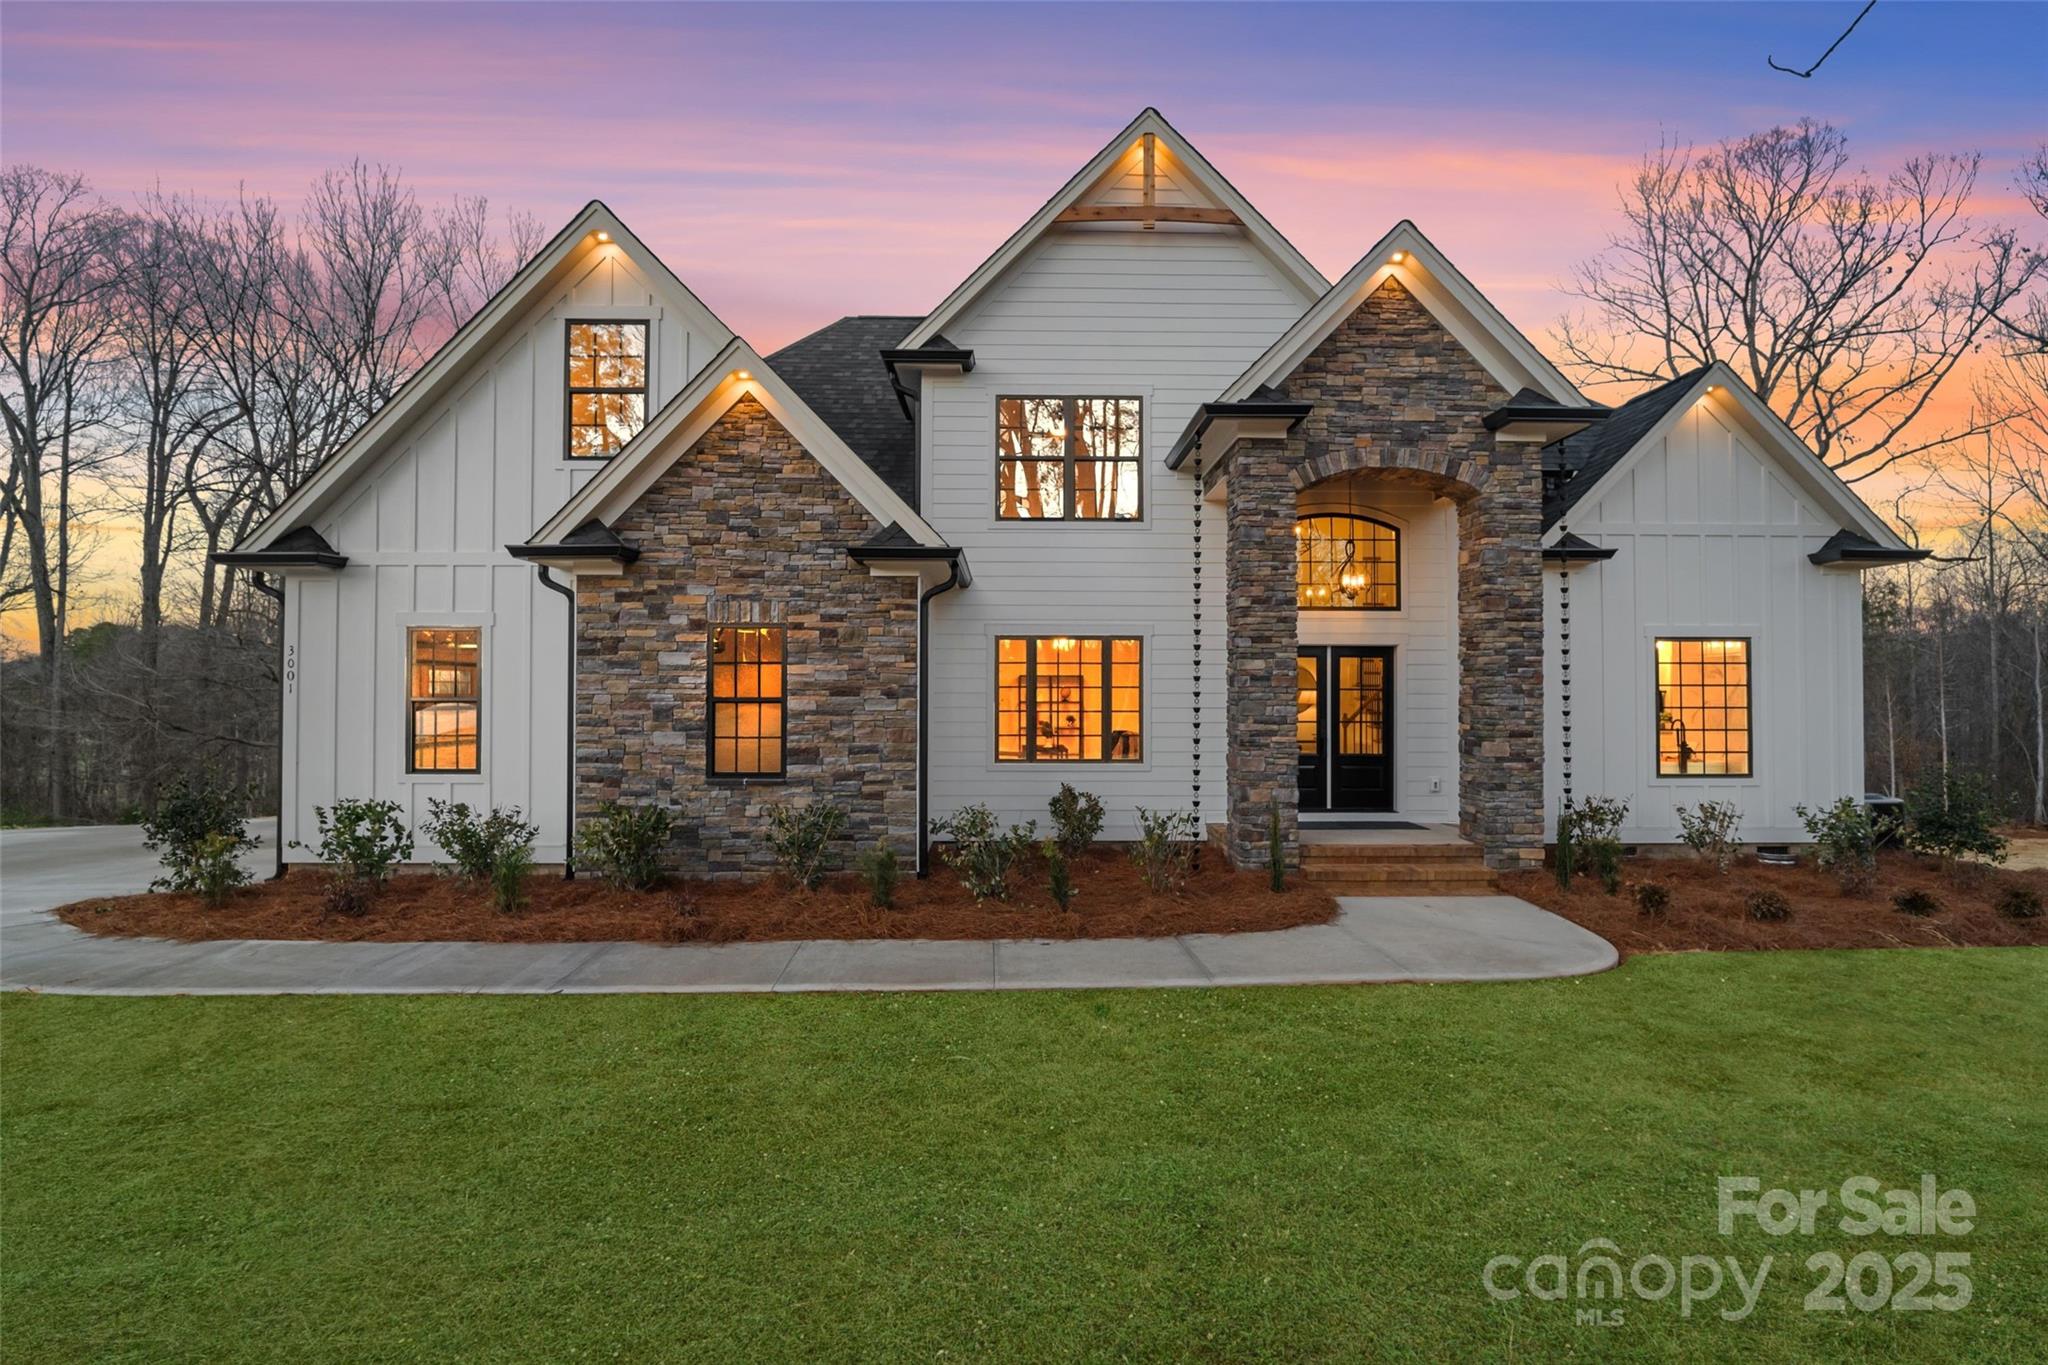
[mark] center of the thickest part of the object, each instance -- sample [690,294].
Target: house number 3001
[291,669]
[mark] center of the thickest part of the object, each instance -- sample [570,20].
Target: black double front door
[1344,727]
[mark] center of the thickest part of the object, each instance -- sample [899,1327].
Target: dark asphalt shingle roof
[838,371]
[1589,454]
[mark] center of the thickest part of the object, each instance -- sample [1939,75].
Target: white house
[1145,505]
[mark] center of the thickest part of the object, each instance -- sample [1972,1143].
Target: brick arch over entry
[1394,394]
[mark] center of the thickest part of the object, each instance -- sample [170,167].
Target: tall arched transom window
[1347,563]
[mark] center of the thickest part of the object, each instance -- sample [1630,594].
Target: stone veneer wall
[1396,394]
[748,527]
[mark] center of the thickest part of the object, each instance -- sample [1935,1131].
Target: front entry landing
[1343,725]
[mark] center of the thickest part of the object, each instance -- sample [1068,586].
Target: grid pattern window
[1069,459]
[444,699]
[1347,563]
[747,701]
[1703,718]
[607,387]
[1062,699]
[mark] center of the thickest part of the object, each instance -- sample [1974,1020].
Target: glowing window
[444,699]
[747,701]
[607,394]
[1062,699]
[1347,563]
[1703,724]
[1075,459]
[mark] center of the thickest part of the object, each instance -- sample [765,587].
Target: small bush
[2019,902]
[1652,898]
[1844,842]
[1059,880]
[509,870]
[1710,830]
[188,813]
[475,844]
[1076,820]
[350,896]
[1596,838]
[1951,817]
[363,841]
[624,844]
[981,851]
[801,838]
[213,870]
[1768,907]
[1166,848]
[1564,861]
[1916,902]
[1276,850]
[878,869]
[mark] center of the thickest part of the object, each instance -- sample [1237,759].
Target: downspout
[924,713]
[569,767]
[275,592]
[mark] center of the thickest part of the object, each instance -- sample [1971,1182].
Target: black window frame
[1387,526]
[571,390]
[712,701]
[1030,686]
[1071,413]
[1657,772]
[413,703]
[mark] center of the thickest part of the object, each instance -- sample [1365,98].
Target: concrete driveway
[1382,938]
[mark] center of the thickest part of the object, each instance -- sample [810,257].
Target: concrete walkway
[1455,938]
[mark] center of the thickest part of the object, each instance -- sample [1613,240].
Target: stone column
[1260,569]
[1500,661]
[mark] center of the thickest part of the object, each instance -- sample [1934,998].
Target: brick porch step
[1478,877]
[1395,853]
[1444,868]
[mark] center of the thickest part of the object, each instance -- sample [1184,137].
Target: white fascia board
[1291,262]
[1469,316]
[698,408]
[447,367]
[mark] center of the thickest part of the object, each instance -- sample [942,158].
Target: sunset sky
[793,163]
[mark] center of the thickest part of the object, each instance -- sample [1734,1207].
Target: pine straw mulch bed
[1707,909]
[1111,901]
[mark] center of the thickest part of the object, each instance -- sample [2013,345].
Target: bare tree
[1845,301]
[469,262]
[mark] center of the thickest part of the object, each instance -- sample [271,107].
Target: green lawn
[1288,1173]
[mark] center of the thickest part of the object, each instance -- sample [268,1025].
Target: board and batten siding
[424,531]
[1170,317]
[1712,540]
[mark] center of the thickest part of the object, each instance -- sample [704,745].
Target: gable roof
[1204,176]
[736,372]
[1407,256]
[1613,451]
[838,370]
[594,229]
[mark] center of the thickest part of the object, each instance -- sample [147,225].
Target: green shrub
[1596,838]
[1914,901]
[624,844]
[350,896]
[475,844]
[509,869]
[1652,898]
[1276,849]
[1076,820]
[213,870]
[1564,861]
[362,840]
[1166,847]
[801,838]
[188,813]
[1952,818]
[1768,907]
[878,869]
[1710,830]
[1059,880]
[1844,842]
[2019,902]
[981,851]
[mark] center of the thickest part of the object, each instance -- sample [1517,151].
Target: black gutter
[276,594]
[1289,410]
[929,355]
[1572,550]
[1868,553]
[278,559]
[924,713]
[1545,412]
[569,549]
[569,802]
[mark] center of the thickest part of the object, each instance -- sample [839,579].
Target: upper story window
[1068,459]
[747,701]
[1063,699]
[607,386]
[1347,562]
[444,699]
[1703,708]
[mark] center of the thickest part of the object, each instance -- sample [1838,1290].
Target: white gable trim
[1204,176]
[436,379]
[1733,398]
[736,372]
[1511,358]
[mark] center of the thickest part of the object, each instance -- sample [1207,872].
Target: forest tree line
[175,367]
